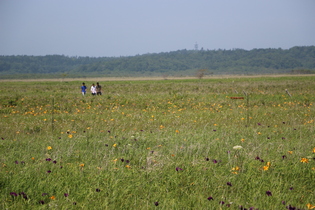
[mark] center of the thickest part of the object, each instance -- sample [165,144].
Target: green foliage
[176,63]
[158,144]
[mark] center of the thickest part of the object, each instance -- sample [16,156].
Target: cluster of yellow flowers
[235,170]
[267,166]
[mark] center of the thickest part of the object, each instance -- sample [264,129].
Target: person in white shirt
[93,89]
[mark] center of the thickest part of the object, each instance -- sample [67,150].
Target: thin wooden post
[247,107]
[52,115]
[286,90]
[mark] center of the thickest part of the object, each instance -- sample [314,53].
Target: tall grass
[158,145]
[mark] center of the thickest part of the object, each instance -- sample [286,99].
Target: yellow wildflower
[310,206]
[70,136]
[52,198]
[82,165]
[314,150]
[33,158]
[304,160]
[49,148]
[290,152]
[265,168]
[114,145]
[128,166]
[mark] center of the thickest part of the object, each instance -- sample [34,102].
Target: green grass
[167,143]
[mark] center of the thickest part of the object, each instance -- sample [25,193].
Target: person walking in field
[98,89]
[93,89]
[83,89]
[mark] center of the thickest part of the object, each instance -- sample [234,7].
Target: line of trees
[181,62]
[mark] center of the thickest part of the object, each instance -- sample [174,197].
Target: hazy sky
[100,28]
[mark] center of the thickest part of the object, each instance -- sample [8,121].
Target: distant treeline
[175,63]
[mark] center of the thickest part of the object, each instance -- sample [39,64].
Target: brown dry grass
[100,79]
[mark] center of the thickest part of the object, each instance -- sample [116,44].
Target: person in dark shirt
[98,89]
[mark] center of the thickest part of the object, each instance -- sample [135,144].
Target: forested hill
[177,63]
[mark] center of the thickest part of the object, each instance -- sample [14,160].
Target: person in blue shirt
[83,89]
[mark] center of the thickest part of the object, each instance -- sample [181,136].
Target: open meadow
[159,144]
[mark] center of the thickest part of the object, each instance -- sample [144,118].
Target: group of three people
[95,89]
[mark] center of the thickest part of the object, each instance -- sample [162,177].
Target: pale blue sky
[100,28]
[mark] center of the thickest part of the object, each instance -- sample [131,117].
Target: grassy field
[160,144]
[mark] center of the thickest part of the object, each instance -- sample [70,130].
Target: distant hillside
[176,63]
